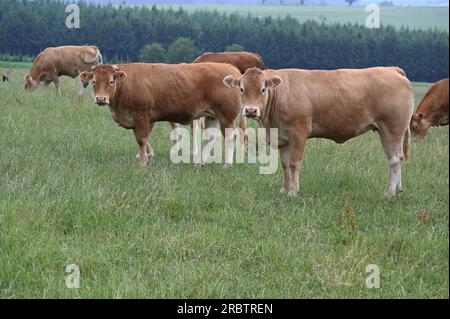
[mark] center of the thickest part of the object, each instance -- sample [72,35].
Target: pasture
[72,193]
[411,17]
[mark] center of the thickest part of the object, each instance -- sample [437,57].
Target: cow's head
[104,81]
[253,85]
[419,126]
[30,83]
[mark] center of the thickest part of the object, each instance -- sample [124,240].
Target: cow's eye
[93,82]
[242,90]
[111,82]
[263,90]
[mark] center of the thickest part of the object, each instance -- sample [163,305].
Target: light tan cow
[432,110]
[336,105]
[52,63]
[140,94]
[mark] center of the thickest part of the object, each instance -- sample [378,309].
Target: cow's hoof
[399,189]
[199,164]
[292,194]
[283,190]
[142,163]
[227,165]
[389,194]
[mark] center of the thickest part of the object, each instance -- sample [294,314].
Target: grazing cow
[140,94]
[336,105]
[242,61]
[432,110]
[51,63]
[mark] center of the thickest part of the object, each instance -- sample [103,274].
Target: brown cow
[241,60]
[51,63]
[336,105]
[432,110]
[140,94]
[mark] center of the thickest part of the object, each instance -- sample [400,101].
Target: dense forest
[121,32]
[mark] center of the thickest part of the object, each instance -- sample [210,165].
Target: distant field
[412,17]
[71,193]
[16,65]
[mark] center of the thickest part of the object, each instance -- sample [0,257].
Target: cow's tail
[100,57]
[406,139]
[401,71]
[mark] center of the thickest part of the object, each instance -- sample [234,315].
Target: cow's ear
[119,75]
[86,76]
[231,81]
[417,117]
[274,82]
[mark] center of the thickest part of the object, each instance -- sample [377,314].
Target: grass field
[15,65]
[71,193]
[412,17]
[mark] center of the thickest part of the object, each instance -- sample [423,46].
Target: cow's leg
[227,128]
[150,151]
[284,156]
[57,85]
[210,123]
[297,142]
[244,134]
[393,148]
[141,132]
[196,130]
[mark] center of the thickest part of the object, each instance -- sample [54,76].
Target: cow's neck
[268,110]
[118,97]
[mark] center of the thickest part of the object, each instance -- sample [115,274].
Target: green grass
[71,192]
[15,65]
[411,17]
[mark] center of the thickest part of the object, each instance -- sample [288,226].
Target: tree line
[125,33]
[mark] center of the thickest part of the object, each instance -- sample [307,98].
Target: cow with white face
[336,105]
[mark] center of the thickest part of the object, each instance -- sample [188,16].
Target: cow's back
[341,102]
[436,99]
[178,92]
[241,60]
[64,60]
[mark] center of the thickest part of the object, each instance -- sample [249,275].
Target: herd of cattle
[301,104]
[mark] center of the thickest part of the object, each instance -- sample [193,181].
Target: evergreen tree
[181,50]
[152,53]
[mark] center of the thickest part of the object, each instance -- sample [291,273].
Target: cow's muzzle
[251,111]
[101,100]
